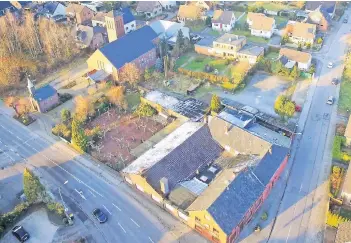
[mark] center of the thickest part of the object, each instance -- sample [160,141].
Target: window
[197,220]
[215,231]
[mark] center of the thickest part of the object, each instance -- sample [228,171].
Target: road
[302,211]
[58,167]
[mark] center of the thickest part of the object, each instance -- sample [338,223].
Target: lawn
[242,20]
[133,99]
[199,63]
[181,60]
[281,21]
[238,14]
[214,33]
[249,37]
[345,96]
[272,55]
[272,6]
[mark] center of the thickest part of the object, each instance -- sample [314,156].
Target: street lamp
[70,222]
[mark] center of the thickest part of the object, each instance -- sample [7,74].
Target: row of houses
[212,172]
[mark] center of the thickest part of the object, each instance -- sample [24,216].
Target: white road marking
[107,209]
[80,193]
[290,225]
[122,227]
[19,138]
[116,206]
[92,193]
[300,188]
[10,131]
[151,240]
[135,222]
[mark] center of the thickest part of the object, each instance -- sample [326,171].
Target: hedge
[9,218]
[229,85]
[337,153]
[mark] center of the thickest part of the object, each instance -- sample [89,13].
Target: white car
[330,65]
[330,100]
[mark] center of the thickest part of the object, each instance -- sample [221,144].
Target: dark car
[335,81]
[345,21]
[99,215]
[20,233]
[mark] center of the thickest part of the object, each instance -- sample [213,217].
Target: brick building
[138,47]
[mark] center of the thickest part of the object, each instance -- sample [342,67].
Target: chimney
[164,186]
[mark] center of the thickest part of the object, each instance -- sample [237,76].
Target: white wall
[304,66]
[265,34]
[60,10]
[98,23]
[131,26]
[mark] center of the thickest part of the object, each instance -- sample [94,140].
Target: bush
[56,207]
[340,129]
[65,115]
[61,130]
[216,105]
[145,109]
[9,218]
[284,106]
[319,40]
[32,187]
[229,86]
[337,153]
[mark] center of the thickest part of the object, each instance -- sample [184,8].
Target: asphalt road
[302,212]
[128,221]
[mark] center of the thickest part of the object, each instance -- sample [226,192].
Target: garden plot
[120,134]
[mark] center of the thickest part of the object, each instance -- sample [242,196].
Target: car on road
[330,65]
[20,233]
[195,38]
[99,215]
[345,21]
[335,81]
[330,100]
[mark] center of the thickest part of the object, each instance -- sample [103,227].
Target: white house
[290,57]
[301,32]
[223,20]
[150,8]
[261,25]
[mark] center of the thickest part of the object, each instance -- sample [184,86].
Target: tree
[319,40]
[111,5]
[84,107]
[277,67]
[61,130]
[65,115]
[180,38]
[79,139]
[295,72]
[159,65]
[130,73]
[308,45]
[11,102]
[147,75]
[145,109]
[116,96]
[284,106]
[215,103]
[208,21]
[285,39]
[299,48]
[312,69]
[32,187]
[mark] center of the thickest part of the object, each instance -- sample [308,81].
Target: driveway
[39,227]
[260,93]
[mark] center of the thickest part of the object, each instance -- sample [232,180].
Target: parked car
[99,215]
[330,65]
[335,81]
[195,38]
[20,233]
[345,21]
[330,100]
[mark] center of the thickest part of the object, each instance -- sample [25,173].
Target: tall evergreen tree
[79,139]
[31,186]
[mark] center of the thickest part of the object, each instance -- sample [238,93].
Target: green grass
[198,65]
[277,6]
[345,96]
[181,60]
[249,37]
[345,213]
[133,99]
[238,14]
[281,21]
[242,20]
[214,33]
[272,55]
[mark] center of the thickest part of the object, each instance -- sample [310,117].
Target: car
[345,21]
[196,38]
[335,81]
[330,100]
[99,215]
[330,65]
[20,233]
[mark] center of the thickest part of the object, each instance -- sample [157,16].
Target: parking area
[39,227]
[261,92]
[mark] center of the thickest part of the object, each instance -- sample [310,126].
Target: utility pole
[70,222]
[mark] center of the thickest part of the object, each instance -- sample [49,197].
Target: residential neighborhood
[175,121]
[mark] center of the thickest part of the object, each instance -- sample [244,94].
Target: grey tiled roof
[231,206]
[181,164]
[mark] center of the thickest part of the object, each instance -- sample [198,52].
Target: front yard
[250,37]
[281,21]
[345,96]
